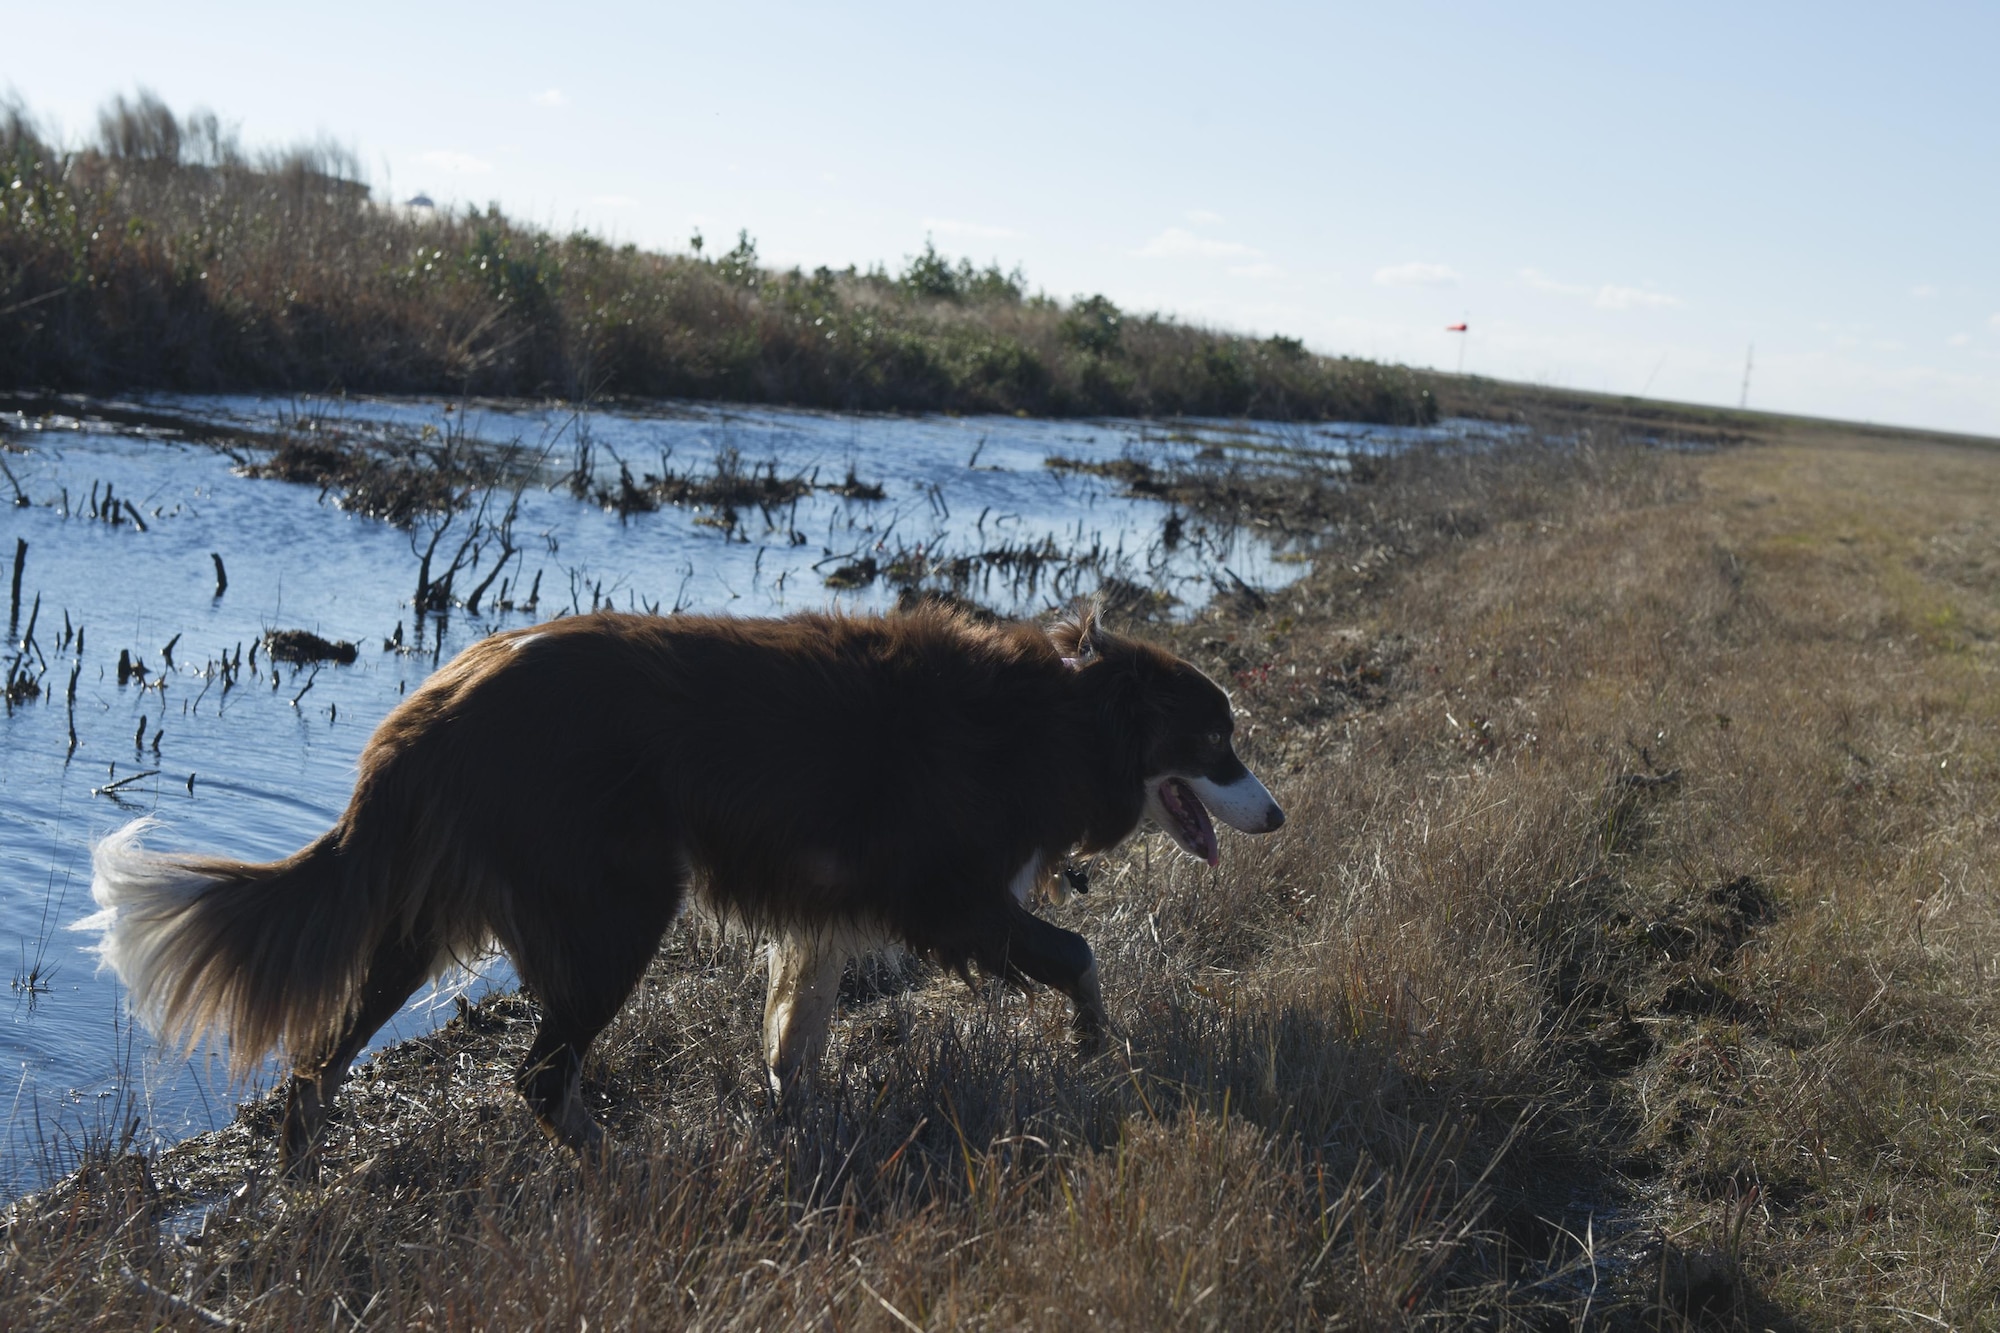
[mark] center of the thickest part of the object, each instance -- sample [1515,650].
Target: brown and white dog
[558,791]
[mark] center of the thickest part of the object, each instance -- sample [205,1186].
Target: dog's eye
[1216,739]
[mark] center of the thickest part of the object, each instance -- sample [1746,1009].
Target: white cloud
[1201,217]
[1923,291]
[1416,274]
[1994,321]
[1180,243]
[614,201]
[551,97]
[1542,282]
[978,231]
[461,164]
[1958,340]
[1254,270]
[1605,297]
[1630,298]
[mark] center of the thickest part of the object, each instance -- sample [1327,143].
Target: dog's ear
[1080,635]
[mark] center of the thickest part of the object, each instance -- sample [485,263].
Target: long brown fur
[556,791]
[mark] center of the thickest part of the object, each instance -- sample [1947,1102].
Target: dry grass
[1622,965]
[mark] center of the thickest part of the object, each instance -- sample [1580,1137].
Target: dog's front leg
[804,989]
[1062,959]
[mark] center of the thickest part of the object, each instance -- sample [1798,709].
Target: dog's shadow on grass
[934,1102]
[1513,1164]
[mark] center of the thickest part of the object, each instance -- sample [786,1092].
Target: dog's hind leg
[394,974]
[1059,958]
[551,1082]
[805,970]
[582,962]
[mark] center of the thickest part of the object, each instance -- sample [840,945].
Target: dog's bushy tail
[268,954]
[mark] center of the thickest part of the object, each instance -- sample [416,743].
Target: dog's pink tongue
[1202,829]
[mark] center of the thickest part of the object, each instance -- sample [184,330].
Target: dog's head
[1174,730]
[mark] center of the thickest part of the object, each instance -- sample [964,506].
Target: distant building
[418,207]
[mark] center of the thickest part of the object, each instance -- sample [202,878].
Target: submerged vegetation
[162,255]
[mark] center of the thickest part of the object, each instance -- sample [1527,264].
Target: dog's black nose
[1274,819]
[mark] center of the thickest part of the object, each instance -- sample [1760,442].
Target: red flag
[1454,328]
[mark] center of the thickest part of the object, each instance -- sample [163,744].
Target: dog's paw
[1090,1030]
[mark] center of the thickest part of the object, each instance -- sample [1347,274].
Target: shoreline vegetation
[163,255]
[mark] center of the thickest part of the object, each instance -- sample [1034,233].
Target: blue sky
[1620,198]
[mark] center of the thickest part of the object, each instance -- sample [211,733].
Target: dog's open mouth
[1180,812]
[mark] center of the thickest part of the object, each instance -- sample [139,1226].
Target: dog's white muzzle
[1244,804]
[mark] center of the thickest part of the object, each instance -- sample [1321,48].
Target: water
[258,769]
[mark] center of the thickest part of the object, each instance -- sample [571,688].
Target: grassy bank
[164,256]
[1623,965]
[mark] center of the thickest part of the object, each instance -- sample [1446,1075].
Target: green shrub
[1093,325]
